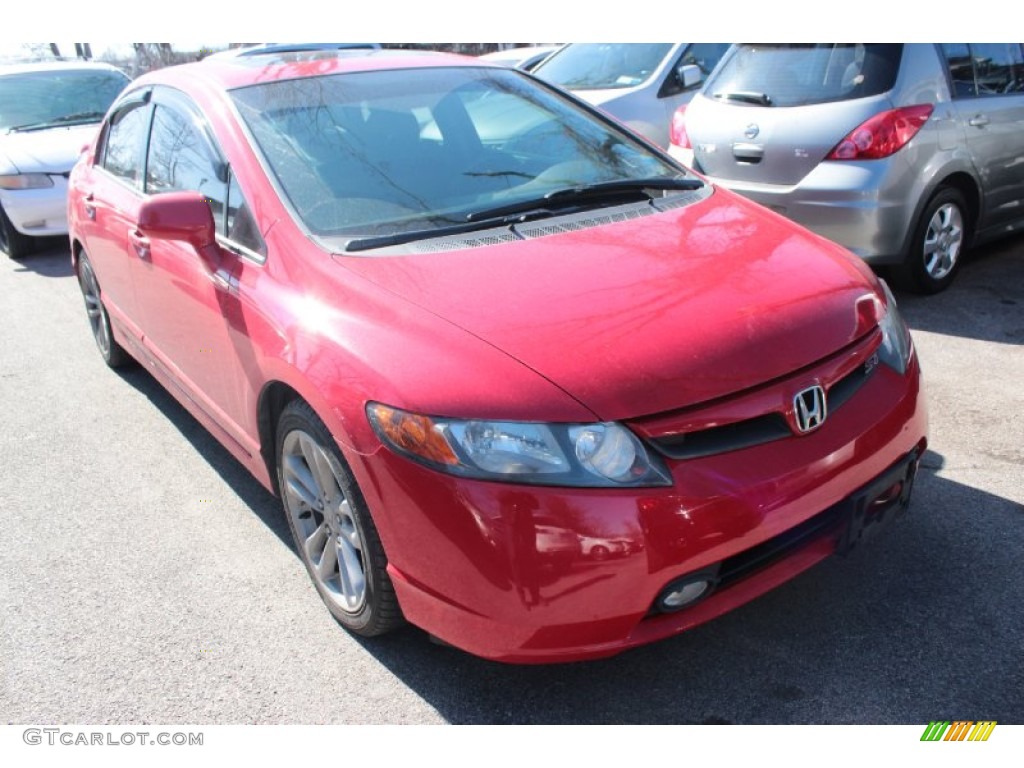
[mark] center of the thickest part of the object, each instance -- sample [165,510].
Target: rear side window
[794,75]
[984,69]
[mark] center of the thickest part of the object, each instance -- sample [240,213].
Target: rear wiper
[573,195]
[749,97]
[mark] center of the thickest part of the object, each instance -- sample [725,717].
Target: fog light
[684,593]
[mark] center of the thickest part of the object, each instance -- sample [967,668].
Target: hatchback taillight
[882,135]
[677,131]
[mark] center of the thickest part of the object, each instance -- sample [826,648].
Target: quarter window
[241,225]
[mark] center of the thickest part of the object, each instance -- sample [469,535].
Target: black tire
[339,522]
[112,352]
[938,245]
[13,242]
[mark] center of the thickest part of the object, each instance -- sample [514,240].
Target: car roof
[240,71]
[55,66]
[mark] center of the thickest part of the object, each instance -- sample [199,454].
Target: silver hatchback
[904,153]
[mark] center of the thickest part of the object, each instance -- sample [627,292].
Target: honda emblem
[809,408]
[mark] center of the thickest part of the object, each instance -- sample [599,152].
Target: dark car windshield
[372,154]
[599,66]
[58,97]
[795,75]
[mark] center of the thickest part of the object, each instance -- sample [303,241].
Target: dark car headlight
[604,455]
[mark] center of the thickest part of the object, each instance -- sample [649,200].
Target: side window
[997,68]
[961,70]
[985,69]
[180,160]
[241,225]
[704,55]
[125,139]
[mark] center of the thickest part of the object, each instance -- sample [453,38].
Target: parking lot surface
[145,577]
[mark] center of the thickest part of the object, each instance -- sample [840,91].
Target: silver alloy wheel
[322,519]
[94,308]
[943,240]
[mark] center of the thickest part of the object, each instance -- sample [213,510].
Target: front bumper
[517,573]
[38,212]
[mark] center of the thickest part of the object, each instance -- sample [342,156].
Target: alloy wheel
[322,518]
[943,240]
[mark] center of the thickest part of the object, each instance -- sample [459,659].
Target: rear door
[987,82]
[110,196]
[772,113]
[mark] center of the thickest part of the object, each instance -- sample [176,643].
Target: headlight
[26,181]
[603,455]
[896,346]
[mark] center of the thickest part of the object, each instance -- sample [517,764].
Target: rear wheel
[112,352]
[938,244]
[334,533]
[13,242]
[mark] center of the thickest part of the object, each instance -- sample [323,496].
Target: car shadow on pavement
[51,260]
[264,504]
[923,623]
[985,302]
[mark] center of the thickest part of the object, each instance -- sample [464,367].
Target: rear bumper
[868,207]
[512,573]
[38,212]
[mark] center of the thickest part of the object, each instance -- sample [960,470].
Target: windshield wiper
[573,195]
[62,120]
[749,97]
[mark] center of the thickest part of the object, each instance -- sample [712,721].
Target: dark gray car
[904,153]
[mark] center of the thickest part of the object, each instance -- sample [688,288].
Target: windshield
[797,75]
[36,100]
[594,66]
[377,153]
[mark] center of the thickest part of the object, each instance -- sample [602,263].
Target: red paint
[688,319]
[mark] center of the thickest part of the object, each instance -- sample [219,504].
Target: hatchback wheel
[334,533]
[938,245]
[112,352]
[13,242]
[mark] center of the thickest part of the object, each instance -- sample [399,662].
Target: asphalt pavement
[146,578]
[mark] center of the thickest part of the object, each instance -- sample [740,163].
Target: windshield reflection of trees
[382,152]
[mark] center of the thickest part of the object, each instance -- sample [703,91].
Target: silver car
[904,153]
[48,112]
[640,84]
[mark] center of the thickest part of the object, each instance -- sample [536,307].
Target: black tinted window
[123,155]
[796,75]
[180,160]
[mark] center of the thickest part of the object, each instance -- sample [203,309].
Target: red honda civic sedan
[518,377]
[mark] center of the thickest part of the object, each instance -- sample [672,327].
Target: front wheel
[938,244]
[13,242]
[334,533]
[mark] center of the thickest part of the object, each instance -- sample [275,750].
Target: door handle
[140,243]
[88,203]
[978,121]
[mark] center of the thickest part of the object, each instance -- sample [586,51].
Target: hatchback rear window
[794,75]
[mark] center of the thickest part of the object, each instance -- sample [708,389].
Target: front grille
[759,430]
[731,437]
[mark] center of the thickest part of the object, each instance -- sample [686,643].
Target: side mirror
[689,76]
[182,216]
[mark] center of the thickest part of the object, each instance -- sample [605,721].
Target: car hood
[53,150]
[652,314]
